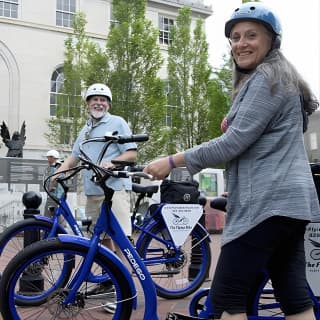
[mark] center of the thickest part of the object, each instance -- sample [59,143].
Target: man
[57,191]
[99,98]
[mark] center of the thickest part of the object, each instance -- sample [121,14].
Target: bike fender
[108,253]
[43,218]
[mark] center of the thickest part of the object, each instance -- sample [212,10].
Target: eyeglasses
[248,36]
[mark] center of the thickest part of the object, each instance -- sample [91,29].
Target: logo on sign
[315,253]
[177,220]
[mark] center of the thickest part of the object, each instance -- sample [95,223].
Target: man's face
[51,160]
[98,106]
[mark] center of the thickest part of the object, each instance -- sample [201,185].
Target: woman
[271,195]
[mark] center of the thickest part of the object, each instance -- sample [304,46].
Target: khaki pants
[120,208]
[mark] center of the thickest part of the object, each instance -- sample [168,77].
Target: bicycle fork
[84,270]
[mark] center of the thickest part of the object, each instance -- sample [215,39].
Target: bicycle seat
[86,222]
[149,189]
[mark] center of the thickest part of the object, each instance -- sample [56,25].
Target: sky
[300,34]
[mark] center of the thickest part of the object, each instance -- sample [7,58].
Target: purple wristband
[171,162]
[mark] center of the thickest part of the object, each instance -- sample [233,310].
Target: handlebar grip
[143,175]
[133,138]
[219,203]
[136,168]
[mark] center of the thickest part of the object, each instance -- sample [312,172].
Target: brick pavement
[179,305]
[182,305]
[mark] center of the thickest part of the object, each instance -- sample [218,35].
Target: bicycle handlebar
[133,138]
[102,173]
[127,174]
[113,137]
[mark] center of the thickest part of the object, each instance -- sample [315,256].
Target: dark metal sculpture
[15,145]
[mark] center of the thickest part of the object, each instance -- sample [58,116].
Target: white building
[32,54]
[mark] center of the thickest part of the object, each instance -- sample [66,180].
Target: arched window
[65,106]
[66,103]
[57,79]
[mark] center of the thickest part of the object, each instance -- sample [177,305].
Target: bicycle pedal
[178,316]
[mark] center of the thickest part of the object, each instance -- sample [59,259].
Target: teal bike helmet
[256,11]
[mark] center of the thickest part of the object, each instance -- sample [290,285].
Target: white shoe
[110,304]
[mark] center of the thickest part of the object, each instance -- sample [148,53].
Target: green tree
[189,82]
[200,87]
[135,59]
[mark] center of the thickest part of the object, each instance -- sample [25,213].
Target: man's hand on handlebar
[107,165]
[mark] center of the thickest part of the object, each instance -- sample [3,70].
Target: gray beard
[97,115]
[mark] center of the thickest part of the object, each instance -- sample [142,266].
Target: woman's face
[250,43]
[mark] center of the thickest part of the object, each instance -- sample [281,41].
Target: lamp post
[31,280]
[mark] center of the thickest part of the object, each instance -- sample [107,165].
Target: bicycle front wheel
[176,273]
[43,262]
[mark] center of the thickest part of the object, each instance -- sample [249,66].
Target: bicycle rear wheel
[176,273]
[13,240]
[47,257]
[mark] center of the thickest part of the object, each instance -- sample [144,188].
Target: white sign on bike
[312,249]
[181,219]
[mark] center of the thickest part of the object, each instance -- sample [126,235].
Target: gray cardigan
[268,173]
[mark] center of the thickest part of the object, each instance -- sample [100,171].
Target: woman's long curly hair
[279,70]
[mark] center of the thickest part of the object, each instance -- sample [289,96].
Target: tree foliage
[192,93]
[129,63]
[135,58]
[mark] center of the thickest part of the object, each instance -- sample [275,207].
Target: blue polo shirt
[109,123]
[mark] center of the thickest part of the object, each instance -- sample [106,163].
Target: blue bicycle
[170,265]
[47,263]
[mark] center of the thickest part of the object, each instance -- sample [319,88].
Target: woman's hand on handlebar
[159,168]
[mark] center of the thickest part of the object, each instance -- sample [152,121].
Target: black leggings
[275,245]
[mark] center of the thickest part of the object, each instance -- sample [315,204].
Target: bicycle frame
[148,225]
[108,223]
[64,210]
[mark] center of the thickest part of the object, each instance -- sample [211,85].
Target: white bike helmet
[53,153]
[98,89]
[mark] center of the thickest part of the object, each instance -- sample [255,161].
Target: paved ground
[181,305]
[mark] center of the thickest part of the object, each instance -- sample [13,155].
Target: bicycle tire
[11,239]
[260,302]
[12,242]
[172,279]
[84,307]
[197,302]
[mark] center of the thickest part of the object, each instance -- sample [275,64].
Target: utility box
[212,185]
